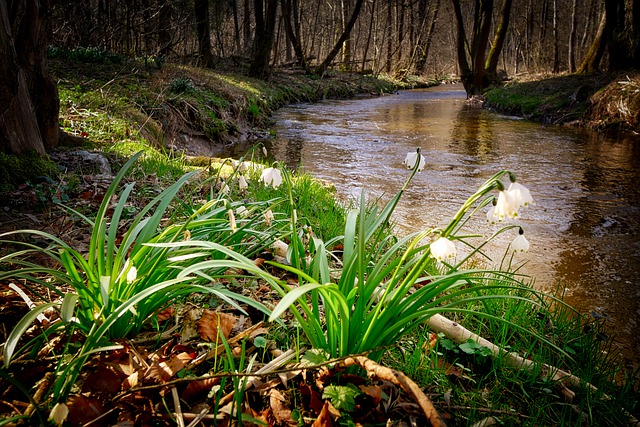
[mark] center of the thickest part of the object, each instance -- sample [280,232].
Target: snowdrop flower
[243,167]
[242,211]
[242,183]
[491,217]
[411,159]
[132,274]
[264,151]
[59,413]
[225,189]
[520,243]
[232,220]
[268,217]
[271,176]
[520,194]
[443,248]
[506,206]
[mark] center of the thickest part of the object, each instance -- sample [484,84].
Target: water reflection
[584,228]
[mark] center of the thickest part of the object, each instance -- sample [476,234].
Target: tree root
[380,372]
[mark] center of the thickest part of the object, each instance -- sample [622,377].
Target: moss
[18,169]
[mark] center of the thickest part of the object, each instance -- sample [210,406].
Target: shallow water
[584,228]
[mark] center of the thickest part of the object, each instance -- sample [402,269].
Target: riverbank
[599,101]
[121,112]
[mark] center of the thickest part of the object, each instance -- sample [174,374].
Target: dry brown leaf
[166,314]
[103,381]
[197,388]
[131,381]
[165,370]
[83,409]
[214,324]
[311,399]
[281,413]
[324,419]
[374,391]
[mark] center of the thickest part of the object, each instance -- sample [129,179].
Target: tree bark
[203,29]
[264,38]
[572,37]
[591,62]
[498,42]
[421,64]
[29,100]
[290,20]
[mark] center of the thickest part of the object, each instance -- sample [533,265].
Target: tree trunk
[498,42]
[30,103]
[421,64]
[556,53]
[203,29]
[264,38]
[572,37]
[461,39]
[290,19]
[322,68]
[591,62]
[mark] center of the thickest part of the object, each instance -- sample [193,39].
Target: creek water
[584,228]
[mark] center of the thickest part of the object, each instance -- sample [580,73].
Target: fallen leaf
[324,418]
[311,398]
[164,371]
[103,381]
[213,324]
[374,391]
[196,388]
[83,409]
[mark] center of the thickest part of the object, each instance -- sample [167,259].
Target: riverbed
[584,228]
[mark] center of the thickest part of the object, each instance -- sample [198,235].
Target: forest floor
[119,108]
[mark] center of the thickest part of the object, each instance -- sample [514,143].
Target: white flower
[271,176]
[520,194]
[506,207]
[225,189]
[443,248]
[132,274]
[242,211]
[268,217]
[264,151]
[242,183]
[59,413]
[520,243]
[491,217]
[243,167]
[411,159]
[232,220]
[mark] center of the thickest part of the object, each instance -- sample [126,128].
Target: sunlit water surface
[584,228]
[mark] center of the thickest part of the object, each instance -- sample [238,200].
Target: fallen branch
[380,372]
[460,334]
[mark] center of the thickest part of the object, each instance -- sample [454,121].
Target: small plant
[181,85]
[378,288]
[127,276]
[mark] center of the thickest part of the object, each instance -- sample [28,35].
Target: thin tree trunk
[591,62]
[264,38]
[203,29]
[289,17]
[556,49]
[421,65]
[322,68]
[369,35]
[498,42]
[572,37]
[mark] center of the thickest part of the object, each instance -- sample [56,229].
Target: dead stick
[398,378]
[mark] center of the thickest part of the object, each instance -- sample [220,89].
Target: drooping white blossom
[411,159]
[272,177]
[232,220]
[520,243]
[443,249]
[268,217]
[520,194]
[242,183]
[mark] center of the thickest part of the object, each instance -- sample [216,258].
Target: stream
[584,228]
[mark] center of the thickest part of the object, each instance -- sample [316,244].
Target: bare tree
[265,19]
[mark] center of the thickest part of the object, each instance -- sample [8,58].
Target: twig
[398,378]
[41,392]
[177,407]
